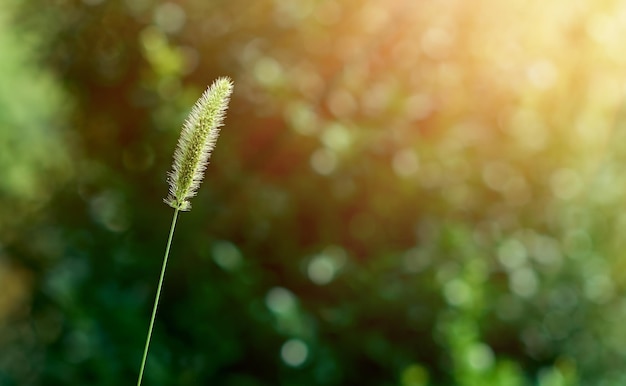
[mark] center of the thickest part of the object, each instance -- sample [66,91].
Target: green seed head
[196,143]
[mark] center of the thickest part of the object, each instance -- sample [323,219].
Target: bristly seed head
[196,143]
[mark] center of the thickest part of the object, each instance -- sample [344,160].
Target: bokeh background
[406,193]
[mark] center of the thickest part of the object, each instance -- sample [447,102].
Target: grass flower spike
[196,142]
[192,154]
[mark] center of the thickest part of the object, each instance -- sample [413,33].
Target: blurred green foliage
[405,193]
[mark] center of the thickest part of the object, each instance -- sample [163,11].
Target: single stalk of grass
[191,158]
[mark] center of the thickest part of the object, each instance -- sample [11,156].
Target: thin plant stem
[158,295]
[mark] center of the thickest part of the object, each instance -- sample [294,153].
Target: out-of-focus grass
[34,151]
[35,163]
[407,193]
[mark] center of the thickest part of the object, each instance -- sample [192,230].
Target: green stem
[158,295]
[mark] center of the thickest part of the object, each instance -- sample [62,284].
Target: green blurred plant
[418,119]
[191,158]
[474,362]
